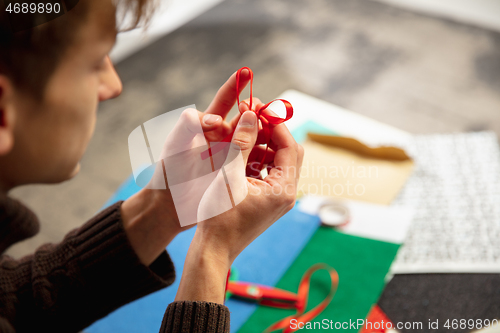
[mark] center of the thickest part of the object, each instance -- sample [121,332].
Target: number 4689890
[32,8]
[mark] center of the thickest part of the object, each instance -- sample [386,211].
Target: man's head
[51,80]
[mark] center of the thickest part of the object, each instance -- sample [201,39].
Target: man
[52,78]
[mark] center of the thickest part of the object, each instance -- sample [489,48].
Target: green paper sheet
[362,265]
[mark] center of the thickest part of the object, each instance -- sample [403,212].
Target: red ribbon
[303,295]
[268,121]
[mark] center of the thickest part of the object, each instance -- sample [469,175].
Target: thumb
[245,135]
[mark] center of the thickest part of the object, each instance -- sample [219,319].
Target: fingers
[300,159]
[245,105]
[260,152]
[245,135]
[257,155]
[261,138]
[187,133]
[187,127]
[287,156]
[191,119]
[234,122]
[242,108]
[227,94]
[287,139]
[209,122]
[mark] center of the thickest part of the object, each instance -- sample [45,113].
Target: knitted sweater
[67,286]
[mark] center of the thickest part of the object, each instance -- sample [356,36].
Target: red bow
[268,121]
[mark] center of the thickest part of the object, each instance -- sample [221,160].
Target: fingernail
[210,119]
[248,119]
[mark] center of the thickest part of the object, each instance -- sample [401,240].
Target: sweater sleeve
[67,286]
[195,316]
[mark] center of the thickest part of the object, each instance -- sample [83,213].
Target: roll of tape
[334,214]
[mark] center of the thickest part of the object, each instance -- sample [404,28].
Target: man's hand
[149,217]
[219,240]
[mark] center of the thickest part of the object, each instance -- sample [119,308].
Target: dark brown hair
[29,57]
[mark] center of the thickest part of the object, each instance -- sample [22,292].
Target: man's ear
[6,116]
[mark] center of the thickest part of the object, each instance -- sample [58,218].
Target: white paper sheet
[384,223]
[455,190]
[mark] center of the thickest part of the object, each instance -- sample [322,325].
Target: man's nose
[110,83]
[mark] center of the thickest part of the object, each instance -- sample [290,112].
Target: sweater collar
[17,222]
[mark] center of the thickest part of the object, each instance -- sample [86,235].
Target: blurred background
[421,66]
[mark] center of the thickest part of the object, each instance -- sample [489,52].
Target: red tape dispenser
[267,120]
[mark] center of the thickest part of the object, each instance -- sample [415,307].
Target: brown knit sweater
[65,287]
